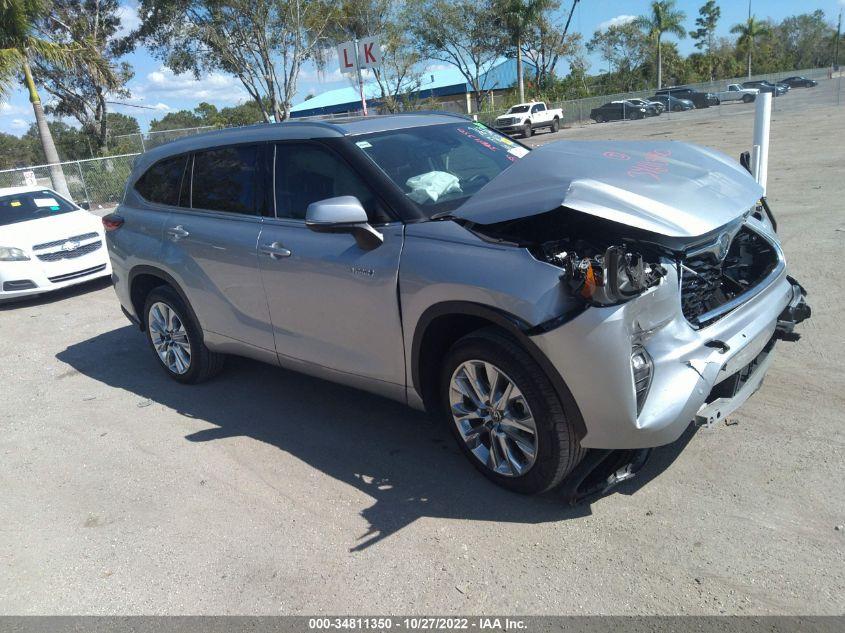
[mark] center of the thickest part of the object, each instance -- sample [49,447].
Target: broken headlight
[610,277]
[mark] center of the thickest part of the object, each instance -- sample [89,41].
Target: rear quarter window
[161,182]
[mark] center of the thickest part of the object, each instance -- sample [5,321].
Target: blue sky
[159,91]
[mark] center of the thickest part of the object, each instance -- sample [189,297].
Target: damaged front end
[682,292]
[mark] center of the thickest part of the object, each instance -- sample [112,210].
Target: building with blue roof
[447,86]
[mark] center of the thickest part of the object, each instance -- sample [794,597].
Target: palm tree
[515,19]
[749,32]
[664,18]
[19,44]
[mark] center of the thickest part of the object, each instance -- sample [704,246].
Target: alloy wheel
[169,338]
[493,418]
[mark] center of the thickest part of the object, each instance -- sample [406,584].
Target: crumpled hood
[666,187]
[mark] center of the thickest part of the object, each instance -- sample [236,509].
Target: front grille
[55,256]
[75,238]
[77,274]
[707,283]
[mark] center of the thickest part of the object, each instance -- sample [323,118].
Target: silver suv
[564,309]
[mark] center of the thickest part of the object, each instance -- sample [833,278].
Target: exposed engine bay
[605,263]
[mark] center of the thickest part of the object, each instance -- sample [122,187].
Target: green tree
[71,142]
[622,47]
[20,44]
[516,18]
[748,34]
[664,18]
[705,34]
[18,152]
[263,43]
[458,33]
[83,90]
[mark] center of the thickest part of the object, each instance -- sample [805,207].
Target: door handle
[177,232]
[275,250]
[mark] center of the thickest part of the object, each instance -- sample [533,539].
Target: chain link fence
[140,143]
[576,112]
[95,182]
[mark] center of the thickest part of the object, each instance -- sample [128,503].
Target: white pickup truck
[524,118]
[736,92]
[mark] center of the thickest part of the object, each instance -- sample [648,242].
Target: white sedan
[47,243]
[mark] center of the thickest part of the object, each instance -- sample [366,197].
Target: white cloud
[619,20]
[9,109]
[129,20]
[19,125]
[312,75]
[161,87]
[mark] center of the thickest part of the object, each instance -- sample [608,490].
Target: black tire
[555,125]
[677,108]
[204,363]
[526,130]
[599,118]
[558,447]
[636,116]
[747,98]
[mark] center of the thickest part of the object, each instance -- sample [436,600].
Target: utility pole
[572,10]
[836,47]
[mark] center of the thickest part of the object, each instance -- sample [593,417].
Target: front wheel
[599,118]
[176,339]
[526,130]
[505,414]
[747,98]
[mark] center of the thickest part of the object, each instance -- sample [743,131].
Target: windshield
[440,166]
[518,109]
[32,205]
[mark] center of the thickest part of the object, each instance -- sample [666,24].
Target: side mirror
[85,205]
[343,214]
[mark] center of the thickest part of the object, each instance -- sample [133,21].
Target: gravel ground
[267,492]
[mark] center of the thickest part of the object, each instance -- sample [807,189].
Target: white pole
[760,146]
[360,80]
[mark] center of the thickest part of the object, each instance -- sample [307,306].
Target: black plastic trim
[515,326]
[168,279]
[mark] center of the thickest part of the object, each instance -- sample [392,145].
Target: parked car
[700,99]
[524,118]
[47,243]
[653,108]
[799,82]
[735,92]
[618,111]
[556,327]
[765,86]
[673,103]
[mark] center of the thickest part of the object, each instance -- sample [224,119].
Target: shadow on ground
[404,460]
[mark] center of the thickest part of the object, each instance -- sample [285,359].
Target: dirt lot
[269,492]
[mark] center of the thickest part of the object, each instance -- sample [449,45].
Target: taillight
[112,222]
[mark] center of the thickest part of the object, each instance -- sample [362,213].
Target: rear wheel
[599,118]
[176,339]
[555,125]
[505,414]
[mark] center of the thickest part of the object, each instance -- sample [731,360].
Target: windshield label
[45,202]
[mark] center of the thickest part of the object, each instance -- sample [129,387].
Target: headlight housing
[608,278]
[12,254]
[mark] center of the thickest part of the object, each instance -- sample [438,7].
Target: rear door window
[225,179]
[161,182]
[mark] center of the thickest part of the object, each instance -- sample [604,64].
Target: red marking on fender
[654,164]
